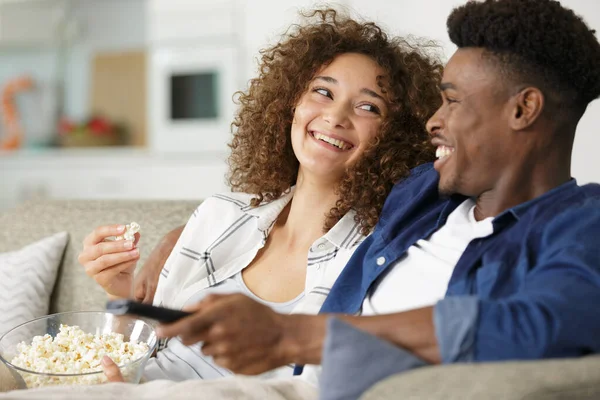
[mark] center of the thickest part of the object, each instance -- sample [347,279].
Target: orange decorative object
[12,126]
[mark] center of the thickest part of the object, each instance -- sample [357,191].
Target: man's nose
[434,125]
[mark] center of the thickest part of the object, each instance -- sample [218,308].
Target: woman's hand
[111,370]
[146,279]
[110,263]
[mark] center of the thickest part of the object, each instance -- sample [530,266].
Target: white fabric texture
[420,278]
[178,362]
[221,238]
[246,388]
[27,278]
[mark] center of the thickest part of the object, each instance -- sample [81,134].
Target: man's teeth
[443,151]
[337,143]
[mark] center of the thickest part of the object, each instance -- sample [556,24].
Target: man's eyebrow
[446,86]
[366,91]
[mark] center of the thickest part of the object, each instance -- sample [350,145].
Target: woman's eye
[324,92]
[370,108]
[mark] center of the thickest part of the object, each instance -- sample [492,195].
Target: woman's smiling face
[337,117]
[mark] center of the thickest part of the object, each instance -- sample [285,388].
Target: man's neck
[521,184]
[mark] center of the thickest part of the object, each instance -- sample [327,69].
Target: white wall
[266,20]
[427,18]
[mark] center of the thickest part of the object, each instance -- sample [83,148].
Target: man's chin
[446,189]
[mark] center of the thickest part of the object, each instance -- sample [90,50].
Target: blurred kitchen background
[132,99]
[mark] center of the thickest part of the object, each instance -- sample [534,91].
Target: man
[489,255]
[498,226]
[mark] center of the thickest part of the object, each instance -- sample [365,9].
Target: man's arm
[250,338]
[413,331]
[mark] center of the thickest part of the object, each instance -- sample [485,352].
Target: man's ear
[528,105]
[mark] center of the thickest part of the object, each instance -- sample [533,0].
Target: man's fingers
[190,329]
[102,232]
[251,362]
[111,370]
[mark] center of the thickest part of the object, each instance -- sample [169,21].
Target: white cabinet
[30,23]
[188,20]
[108,174]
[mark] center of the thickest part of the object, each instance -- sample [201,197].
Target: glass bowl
[94,322]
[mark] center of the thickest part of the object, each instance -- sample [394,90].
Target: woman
[336,116]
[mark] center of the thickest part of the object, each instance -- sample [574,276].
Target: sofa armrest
[526,380]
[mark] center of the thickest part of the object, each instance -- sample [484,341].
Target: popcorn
[130,231]
[73,351]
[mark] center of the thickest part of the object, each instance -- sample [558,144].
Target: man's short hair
[534,42]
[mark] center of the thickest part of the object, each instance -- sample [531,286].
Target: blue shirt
[530,290]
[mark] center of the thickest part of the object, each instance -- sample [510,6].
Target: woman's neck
[302,221]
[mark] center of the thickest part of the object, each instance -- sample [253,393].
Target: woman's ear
[529,104]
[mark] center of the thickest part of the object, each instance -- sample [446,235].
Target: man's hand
[146,280]
[111,370]
[241,334]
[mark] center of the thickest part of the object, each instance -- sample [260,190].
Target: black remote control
[161,314]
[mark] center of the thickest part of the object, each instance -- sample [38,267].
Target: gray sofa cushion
[569,379]
[74,290]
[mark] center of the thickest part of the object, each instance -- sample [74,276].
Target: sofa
[74,290]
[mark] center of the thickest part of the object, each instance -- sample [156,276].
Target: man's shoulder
[418,189]
[577,200]
[575,215]
[422,176]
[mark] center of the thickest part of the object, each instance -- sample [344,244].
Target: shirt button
[321,246]
[380,261]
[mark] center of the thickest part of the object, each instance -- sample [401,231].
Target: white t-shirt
[420,278]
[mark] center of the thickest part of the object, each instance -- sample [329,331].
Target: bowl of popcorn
[67,348]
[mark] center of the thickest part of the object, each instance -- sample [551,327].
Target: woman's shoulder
[235,200]
[223,206]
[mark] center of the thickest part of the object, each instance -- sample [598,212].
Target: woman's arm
[146,279]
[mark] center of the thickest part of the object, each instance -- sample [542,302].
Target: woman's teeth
[335,142]
[443,151]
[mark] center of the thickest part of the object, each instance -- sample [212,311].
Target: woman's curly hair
[262,161]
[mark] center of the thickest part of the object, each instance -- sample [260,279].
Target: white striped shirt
[222,237]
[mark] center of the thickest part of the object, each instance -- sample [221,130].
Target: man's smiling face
[470,130]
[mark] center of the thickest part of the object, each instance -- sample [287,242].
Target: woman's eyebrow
[366,91]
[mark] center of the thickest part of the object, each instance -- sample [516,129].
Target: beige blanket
[228,388]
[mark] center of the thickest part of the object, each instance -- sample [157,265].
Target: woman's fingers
[102,232]
[111,261]
[111,370]
[94,252]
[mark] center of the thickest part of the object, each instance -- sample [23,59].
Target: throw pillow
[27,278]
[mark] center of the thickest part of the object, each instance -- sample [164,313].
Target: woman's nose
[337,116]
